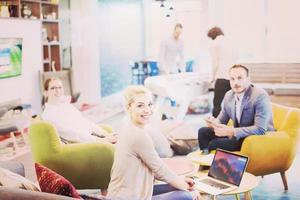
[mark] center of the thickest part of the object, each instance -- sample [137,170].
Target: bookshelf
[47,11]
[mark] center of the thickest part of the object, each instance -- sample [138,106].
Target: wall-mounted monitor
[10,57]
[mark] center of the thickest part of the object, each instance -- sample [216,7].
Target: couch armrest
[268,153]
[15,167]
[3,110]
[19,194]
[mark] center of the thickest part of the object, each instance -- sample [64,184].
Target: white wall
[193,15]
[25,86]
[264,30]
[261,30]
[85,49]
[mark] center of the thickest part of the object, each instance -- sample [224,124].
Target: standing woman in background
[223,57]
[136,162]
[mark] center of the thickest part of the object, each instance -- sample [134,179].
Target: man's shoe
[164,117]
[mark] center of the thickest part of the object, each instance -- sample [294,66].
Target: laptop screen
[228,167]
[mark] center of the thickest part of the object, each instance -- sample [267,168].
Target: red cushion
[51,182]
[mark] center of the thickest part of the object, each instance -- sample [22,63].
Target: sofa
[13,119]
[9,193]
[280,80]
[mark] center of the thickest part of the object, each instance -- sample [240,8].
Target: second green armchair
[85,165]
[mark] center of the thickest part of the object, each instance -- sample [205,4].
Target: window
[121,40]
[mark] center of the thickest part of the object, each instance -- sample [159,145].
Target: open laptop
[225,173]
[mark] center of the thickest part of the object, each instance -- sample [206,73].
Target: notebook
[225,173]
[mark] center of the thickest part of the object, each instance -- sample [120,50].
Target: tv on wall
[10,57]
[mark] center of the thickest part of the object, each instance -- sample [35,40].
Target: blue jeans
[167,192]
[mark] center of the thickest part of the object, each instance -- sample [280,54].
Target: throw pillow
[10,179]
[51,182]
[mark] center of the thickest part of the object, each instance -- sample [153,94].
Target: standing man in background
[223,57]
[171,58]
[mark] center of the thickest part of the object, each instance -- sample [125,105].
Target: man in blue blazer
[247,106]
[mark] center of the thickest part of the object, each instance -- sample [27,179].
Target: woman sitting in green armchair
[71,125]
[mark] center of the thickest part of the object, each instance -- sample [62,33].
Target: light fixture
[161,3]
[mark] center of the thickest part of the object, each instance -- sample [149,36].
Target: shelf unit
[47,12]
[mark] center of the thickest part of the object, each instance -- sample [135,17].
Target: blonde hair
[133,90]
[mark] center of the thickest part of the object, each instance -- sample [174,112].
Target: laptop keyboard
[214,184]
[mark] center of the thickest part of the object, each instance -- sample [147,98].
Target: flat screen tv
[10,57]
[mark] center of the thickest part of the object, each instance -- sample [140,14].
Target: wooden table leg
[237,197]
[248,195]
[214,197]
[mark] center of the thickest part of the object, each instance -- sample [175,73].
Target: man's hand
[222,130]
[211,121]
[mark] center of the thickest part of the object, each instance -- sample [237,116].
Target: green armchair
[85,165]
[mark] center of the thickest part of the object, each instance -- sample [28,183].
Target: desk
[202,160]
[182,88]
[181,166]
[248,183]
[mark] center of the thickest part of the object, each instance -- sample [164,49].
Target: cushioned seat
[275,151]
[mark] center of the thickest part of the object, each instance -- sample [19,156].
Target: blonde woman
[72,126]
[136,161]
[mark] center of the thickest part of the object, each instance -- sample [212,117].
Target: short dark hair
[178,25]
[240,66]
[214,32]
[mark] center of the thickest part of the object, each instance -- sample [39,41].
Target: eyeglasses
[55,88]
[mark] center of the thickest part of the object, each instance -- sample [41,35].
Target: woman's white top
[70,123]
[136,163]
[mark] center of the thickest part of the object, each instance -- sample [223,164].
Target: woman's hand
[190,183]
[195,194]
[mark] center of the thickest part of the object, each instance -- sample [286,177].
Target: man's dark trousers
[208,140]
